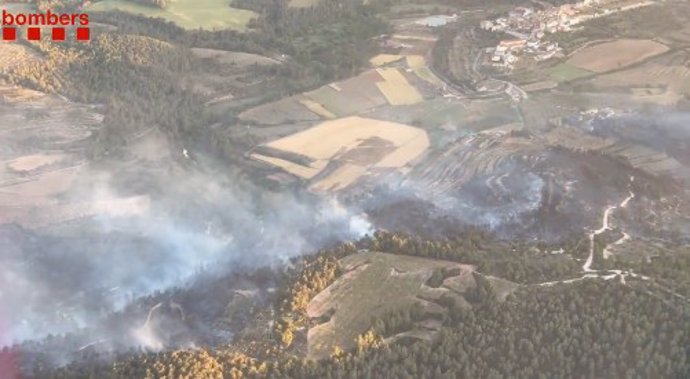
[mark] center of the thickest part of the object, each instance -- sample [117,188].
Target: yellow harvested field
[327,140]
[341,178]
[302,3]
[384,59]
[399,93]
[401,156]
[306,172]
[391,75]
[416,61]
[396,89]
[317,108]
[350,147]
[617,54]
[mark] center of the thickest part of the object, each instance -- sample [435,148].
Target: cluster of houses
[529,27]
[507,53]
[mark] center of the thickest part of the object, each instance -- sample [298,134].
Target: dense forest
[328,41]
[318,44]
[587,329]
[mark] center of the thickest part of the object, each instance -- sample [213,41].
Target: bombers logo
[36,23]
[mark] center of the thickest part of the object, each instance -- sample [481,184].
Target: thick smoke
[66,277]
[501,200]
[665,131]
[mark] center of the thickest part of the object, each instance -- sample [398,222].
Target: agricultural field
[615,55]
[650,161]
[302,3]
[452,115]
[396,88]
[428,76]
[472,156]
[375,284]
[575,139]
[384,59]
[284,111]
[317,108]
[659,77]
[234,58]
[540,86]
[565,72]
[400,78]
[229,80]
[351,96]
[428,114]
[415,61]
[189,14]
[335,154]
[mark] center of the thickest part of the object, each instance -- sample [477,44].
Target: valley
[348,189]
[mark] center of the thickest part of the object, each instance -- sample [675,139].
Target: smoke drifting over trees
[65,277]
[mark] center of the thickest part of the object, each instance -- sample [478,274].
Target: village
[529,28]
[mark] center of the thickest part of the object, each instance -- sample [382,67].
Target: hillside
[347,189]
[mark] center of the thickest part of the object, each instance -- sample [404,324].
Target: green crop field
[302,3]
[189,14]
[565,72]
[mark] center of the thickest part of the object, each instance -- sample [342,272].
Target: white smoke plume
[63,278]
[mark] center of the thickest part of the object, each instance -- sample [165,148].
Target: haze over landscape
[347,188]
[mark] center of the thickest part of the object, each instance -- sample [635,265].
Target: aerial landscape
[345,188]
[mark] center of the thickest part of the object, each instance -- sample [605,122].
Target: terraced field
[352,96]
[363,93]
[653,162]
[672,74]
[470,157]
[617,54]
